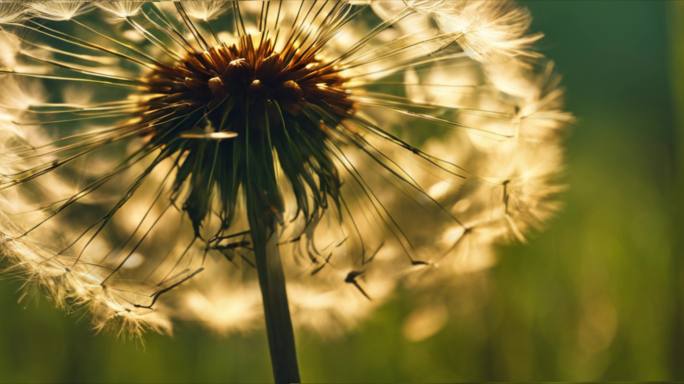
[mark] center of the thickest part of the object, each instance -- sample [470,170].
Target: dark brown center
[243,75]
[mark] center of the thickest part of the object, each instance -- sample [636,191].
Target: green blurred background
[596,297]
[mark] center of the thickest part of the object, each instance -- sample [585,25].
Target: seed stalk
[276,310]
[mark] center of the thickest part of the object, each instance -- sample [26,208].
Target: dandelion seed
[58,10]
[12,11]
[187,145]
[121,8]
[205,9]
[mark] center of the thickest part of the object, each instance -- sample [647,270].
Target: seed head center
[232,82]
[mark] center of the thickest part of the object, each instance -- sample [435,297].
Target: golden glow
[451,145]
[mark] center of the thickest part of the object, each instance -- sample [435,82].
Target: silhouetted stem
[278,323]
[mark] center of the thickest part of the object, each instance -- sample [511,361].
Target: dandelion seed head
[384,143]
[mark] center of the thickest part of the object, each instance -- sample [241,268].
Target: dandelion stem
[278,323]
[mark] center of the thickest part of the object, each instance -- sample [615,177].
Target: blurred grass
[596,297]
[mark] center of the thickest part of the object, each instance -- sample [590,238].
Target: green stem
[278,323]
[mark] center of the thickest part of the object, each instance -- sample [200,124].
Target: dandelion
[172,160]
